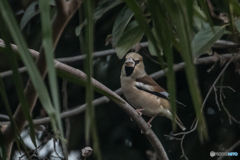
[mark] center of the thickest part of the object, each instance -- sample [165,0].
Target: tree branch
[79,109]
[150,135]
[67,60]
[195,122]
[119,101]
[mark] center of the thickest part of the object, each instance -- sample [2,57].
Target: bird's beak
[129,62]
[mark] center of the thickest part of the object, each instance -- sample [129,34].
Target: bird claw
[131,119]
[149,125]
[139,111]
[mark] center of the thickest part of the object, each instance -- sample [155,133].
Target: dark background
[120,138]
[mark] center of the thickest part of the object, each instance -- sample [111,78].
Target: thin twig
[196,121]
[182,133]
[216,99]
[229,115]
[67,60]
[231,148]
[54,146]
[183,152]
[65,107]
[97,54]
[171,137]
[79,109]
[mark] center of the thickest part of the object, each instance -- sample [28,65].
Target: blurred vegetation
[176,31]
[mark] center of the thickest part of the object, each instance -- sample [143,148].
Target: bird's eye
[136,62]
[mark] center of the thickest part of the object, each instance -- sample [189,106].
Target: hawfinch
[142,92]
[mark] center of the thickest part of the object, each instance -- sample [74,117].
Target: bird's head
[133,65]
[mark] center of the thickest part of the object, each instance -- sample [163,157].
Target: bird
[142,92]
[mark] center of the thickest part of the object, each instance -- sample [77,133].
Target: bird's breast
[139,99]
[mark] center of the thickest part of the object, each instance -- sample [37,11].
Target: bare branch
[231,149]
[222,16]
[156,75]
[120,102]
[65,107]
[216,99]
[196,120]
[229,115]
[183,153]
[180,66]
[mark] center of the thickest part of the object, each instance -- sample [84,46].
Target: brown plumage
[149,81]
[142,92]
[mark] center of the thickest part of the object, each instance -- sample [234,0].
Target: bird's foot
[139,111]
[149,125]
[131,119]
[149,122]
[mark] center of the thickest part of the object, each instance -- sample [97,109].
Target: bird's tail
[180,124]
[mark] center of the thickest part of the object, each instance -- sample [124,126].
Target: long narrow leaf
[49,55]
[176,14]
[26,56]
[160,22]
[205,8]
[18,81]
[13,123]
[90,123]
[143,23]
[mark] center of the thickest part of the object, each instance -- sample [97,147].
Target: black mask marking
[129,70]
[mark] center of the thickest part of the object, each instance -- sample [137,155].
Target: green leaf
[151,48]
[30,12]
[204,7]
[18,80]
[26,57]
[13,123]
[175,12]
[199,18]
[143,23]
[90,122]
[120,24]
[105,7]
[100,11]
[49,55]
[237,24]
[204,39]
[79,28]
[236,7]
[163,34]
[132,35]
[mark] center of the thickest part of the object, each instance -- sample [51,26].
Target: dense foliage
[197,40]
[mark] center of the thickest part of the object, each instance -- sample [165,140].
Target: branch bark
[65,10]
[119,101]
[67,60]
[79,109]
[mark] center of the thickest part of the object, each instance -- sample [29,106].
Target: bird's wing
[147,84]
